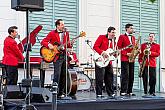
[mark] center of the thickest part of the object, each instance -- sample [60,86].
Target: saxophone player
[127,68]
[150,63]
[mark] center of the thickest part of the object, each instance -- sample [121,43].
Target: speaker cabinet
[14,92]
[37,94]
[41,95]
[24,5]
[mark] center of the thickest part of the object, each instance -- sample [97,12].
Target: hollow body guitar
[103,62]
[48,55]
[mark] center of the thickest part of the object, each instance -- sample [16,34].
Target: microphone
[87,41]
[65,29]
[114,38]
[18,37]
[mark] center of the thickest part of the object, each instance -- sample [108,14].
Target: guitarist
[105,74]
[60,36]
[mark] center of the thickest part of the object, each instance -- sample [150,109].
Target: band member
[12,55]
[105,74]
[60,36]
[153,51]
[127,68]
[72,58]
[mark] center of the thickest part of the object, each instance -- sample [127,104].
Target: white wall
[95,17]
[162,39]
[10,17]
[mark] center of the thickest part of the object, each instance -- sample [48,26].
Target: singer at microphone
[65,29]
[18,37]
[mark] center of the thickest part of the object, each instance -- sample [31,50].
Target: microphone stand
[54,90]
[92,81]
[117,92]
[66,71]
[27,82]
[148,67]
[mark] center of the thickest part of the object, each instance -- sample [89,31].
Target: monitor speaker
[41,95]
[24,5]
[14,92]
[37,94]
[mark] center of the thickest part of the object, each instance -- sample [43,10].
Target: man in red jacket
[127,68]
[72,58]
[153,52]
[105,74]
[60,36]
[12,55]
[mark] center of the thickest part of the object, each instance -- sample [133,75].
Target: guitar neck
[66,43]
[129,46]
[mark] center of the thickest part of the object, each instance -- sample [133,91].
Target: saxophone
[135,51]
[144,59]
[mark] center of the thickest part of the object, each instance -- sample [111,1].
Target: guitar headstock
[82,34]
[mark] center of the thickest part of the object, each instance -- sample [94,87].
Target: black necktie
[130,35]
[110,39]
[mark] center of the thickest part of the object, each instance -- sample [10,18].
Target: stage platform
[86,100]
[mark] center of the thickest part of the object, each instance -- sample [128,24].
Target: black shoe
[73,97]
[99,96]
[60,96]
[153,94]
[131,94]
[112,96]
[123,94]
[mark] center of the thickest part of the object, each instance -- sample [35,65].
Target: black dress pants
[60,73]
[152,80]
[11,75]
[127,76]
[104,74]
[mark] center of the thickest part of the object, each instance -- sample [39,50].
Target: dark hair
[58,22]
[110,29]
[11,29]
[128,25]
[151,33]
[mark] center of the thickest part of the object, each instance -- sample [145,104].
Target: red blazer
[155,52]
[123,41]
[102,44]
[53,37]
[12,54]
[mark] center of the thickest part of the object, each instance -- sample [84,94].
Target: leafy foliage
[152,1]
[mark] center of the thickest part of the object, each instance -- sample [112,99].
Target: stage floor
[86,100]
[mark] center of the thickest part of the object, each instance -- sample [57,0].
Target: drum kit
[83,80]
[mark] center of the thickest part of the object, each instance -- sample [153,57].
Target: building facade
[93,17]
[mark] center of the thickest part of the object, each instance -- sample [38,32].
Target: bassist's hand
[50,46]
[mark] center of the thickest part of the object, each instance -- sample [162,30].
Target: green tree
[152,1]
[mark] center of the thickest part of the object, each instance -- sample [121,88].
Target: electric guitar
[103,62]
[48,55]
